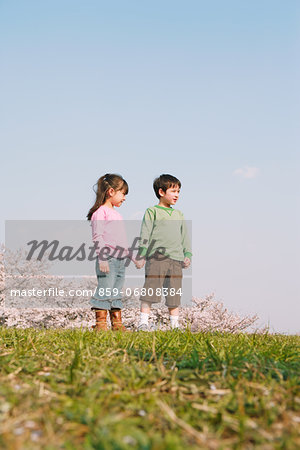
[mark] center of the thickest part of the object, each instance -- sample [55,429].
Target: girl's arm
[98,225]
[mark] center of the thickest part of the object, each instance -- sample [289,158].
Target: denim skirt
[108,292]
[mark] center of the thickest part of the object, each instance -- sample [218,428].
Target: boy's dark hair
[164,182]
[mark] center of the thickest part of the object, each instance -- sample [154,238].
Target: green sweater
[164,227]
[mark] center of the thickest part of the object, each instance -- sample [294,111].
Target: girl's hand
[186,263]
[140,264]
[104,266]
[134,261]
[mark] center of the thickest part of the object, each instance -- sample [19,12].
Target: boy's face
[171,195]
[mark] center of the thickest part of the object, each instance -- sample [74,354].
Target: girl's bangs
[124,187]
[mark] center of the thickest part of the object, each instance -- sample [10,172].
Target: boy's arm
[146,231]
[185,240]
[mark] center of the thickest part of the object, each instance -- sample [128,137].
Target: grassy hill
[163,390]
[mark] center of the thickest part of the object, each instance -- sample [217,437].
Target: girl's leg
[101,302]
[102,296]
[101,319]
[116,320]
[118,284]
[117,305]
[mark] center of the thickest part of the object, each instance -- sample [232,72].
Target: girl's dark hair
[164,182]
[109,180]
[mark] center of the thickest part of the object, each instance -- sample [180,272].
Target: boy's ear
[161,192]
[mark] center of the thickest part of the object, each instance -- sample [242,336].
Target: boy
[165,249]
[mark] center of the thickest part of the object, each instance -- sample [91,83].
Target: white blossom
[204,315]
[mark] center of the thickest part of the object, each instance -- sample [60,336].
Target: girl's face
[117,197]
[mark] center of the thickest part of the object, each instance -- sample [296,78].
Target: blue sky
[207,91]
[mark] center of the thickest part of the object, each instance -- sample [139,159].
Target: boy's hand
[134,262]
[103,266]
[140,264]
[186,263]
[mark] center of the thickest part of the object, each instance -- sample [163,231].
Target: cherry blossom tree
[16,273]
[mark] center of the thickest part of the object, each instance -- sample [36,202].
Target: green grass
[164,390]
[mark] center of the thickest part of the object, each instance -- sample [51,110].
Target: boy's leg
[173,284]
[155,272]
[174,317]
[145,307]
[144,314]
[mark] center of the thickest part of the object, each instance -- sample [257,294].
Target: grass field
[163,390]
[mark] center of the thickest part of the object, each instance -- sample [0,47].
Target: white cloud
[247,172]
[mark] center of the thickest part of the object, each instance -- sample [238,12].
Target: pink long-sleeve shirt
[108,229]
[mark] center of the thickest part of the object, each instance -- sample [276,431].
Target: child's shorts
[162,277]
[108,294]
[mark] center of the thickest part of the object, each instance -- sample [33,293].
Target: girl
[108,234]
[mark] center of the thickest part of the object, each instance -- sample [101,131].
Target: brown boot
[101,323]
[116,320]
